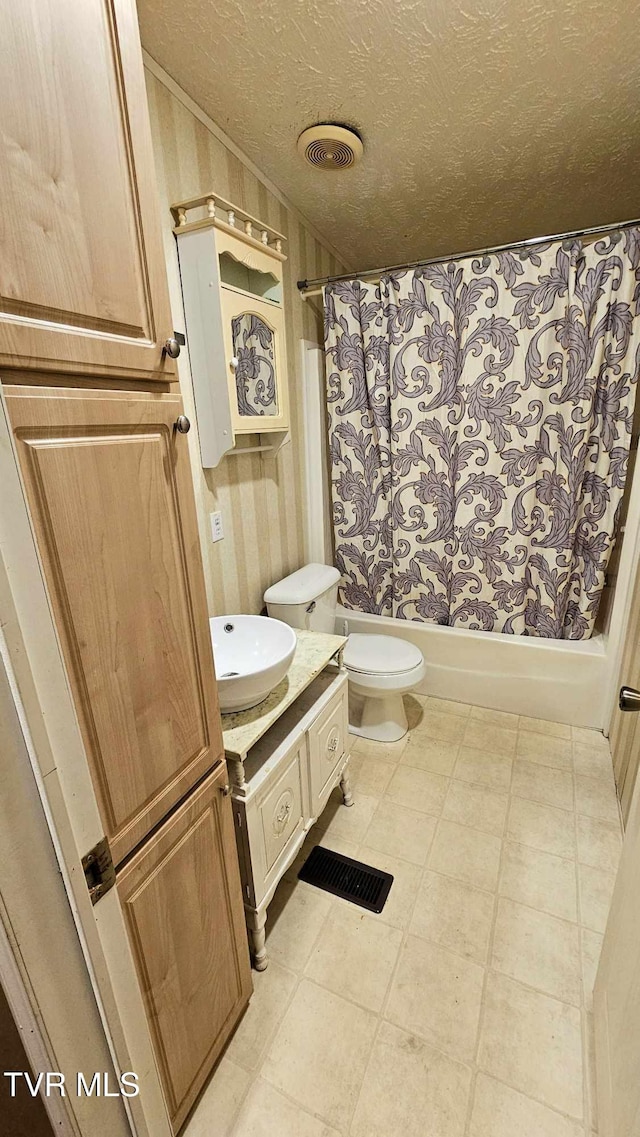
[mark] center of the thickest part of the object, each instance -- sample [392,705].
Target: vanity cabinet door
[82,276]
[328,740]
[281,811]
[182,905]
[108,484]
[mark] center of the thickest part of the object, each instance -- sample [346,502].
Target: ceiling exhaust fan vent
[330,147]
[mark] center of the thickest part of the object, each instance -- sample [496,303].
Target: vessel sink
[252,655]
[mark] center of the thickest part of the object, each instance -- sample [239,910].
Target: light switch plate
[217,531]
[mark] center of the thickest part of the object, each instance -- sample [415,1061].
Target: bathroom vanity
[284,758]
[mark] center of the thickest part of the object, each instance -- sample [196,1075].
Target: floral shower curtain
[480,418]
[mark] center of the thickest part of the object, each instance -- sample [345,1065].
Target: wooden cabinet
[181,899]
[84,315]
[82,277]
[232,284]
[109,487]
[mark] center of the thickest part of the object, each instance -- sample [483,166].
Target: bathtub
[559,680]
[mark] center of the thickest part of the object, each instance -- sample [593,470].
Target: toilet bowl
[381,669]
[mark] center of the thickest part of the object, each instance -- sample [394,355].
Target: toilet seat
[380,655]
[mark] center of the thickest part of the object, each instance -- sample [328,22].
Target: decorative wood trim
[238,222]
[212,201]
[207,223]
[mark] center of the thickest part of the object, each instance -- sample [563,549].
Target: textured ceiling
[483,121]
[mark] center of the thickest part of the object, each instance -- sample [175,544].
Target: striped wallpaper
[261,500]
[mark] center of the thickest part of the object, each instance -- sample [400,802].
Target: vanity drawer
[328,742]
[281,810]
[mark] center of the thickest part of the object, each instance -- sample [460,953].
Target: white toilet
[381,668]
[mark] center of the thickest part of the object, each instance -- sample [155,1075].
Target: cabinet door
[254,339]
[182,904]
[109,487]
[328,740]
[82,275]
[281,810]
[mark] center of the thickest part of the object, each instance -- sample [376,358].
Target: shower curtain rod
[314,287]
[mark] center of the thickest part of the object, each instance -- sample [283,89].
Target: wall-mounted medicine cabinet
[231,272]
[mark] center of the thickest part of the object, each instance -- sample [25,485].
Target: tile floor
[464,1009]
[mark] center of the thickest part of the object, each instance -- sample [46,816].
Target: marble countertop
[242,729]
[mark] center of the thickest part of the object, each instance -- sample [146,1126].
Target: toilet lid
[380,655]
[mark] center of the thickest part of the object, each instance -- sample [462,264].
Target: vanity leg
[236,773]
[345,786]
[256,923]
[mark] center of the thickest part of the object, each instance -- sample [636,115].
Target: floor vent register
[342,876]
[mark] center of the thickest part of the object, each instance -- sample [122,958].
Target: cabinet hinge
[246,888]
[99,872]
[239,816]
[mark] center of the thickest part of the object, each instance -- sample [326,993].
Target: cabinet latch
[99,872]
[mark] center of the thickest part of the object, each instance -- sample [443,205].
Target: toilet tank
[306,599]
